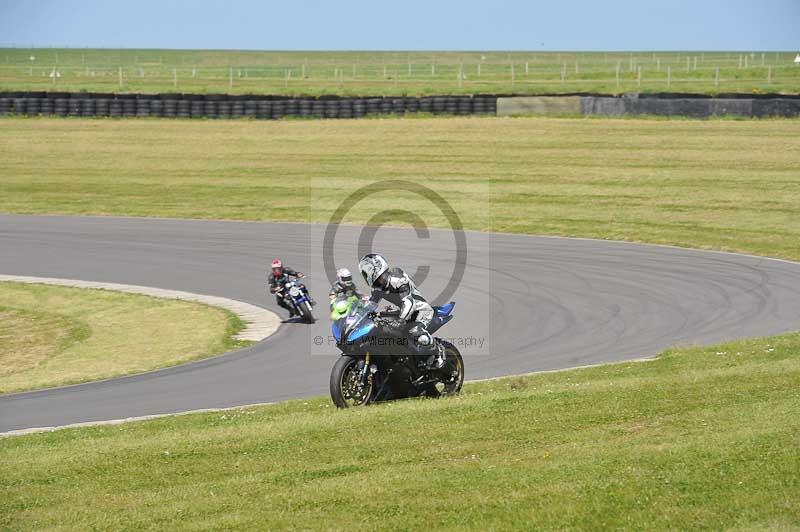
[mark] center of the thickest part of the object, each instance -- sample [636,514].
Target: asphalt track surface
[538,303]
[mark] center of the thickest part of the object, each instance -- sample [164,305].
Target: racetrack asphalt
[536,303]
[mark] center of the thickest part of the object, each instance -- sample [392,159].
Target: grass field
[700,438]
[718,184]
[53,335]
[395,73]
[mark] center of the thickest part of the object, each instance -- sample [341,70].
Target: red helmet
[277,267]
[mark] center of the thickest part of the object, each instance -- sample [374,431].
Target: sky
[408,25]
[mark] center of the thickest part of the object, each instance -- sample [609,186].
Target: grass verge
[699,438]
[718,184]
[51,336]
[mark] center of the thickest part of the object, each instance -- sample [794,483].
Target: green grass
[699,438]
[718,184]
[52,335]
[394,73]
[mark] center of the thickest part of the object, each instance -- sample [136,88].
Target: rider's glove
[389,313]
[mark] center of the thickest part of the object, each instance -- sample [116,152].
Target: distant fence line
[275,107]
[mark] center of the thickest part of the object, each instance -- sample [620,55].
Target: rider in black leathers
[413,312]
[278,277]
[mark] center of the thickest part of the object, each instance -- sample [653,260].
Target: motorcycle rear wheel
[346,388]
[452,373]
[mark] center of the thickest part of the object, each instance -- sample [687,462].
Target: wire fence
[390,73]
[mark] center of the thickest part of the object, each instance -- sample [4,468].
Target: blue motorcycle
[378,364]
[296,296]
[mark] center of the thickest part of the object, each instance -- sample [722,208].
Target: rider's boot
[436,359]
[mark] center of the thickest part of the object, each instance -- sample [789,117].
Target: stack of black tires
[229,106]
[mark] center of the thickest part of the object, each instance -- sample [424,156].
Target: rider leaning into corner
[278,277]
[413,313]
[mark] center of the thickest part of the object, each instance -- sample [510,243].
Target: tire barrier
[128,108]
[221,106]
[46,106]
[88,107]
[101,107]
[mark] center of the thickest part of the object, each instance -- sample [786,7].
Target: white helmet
[373,266]
[344,275]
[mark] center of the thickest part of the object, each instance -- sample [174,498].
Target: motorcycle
[296,296]
[340,307]
[377,366]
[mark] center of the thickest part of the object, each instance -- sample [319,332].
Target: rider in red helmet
[280,275]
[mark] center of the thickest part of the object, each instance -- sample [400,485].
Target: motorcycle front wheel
[347,390]
[305,312]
